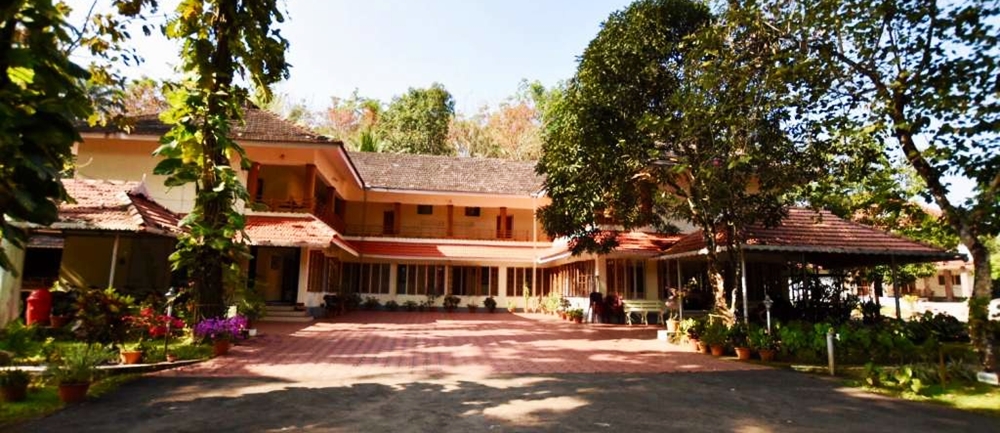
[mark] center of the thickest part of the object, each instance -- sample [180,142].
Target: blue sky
[478,49]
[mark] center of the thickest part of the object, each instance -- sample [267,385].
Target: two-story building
[324,219]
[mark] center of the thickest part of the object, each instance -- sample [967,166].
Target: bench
[643,307]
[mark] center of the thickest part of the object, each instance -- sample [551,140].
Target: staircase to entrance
[286,313]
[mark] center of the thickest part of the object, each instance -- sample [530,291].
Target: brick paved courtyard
[364,344]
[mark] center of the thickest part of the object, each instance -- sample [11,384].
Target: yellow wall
[413,224]
[141,264]
[268,277]
[131,160]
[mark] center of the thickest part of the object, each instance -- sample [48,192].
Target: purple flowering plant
[220,328]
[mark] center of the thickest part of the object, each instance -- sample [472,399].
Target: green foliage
[490,303]
[575,313]
[18,339]
[371,303]
[352,300]
[410,305]
[101,316]
[715,333]
[391,305]
[77,364]
[451,302]
[14,378]
[738,335]
[760,339]
[220,39]
[42,97]
[417,122]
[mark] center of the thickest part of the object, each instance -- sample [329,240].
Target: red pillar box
[39,307]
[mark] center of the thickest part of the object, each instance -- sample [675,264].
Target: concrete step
[283,313]
[280,308]
[295,319]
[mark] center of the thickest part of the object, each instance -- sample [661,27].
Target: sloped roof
[448,251]
[822,232]
[292,230]
[447,173]
[636,242]
[257,125]
[105,205]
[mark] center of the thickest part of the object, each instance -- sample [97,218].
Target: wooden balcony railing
[438,231]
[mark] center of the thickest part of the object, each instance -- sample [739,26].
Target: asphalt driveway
[443,373]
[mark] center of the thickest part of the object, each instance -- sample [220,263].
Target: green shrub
[391,305]
[18,339]
[371,303]
[101,316]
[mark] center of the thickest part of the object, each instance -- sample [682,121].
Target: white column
[303,277]
[10,285]
[501,287]
[601,272]
[743,283]
[114,261]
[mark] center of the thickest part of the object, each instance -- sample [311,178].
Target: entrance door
[290,277]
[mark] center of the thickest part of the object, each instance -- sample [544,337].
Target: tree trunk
[979,304]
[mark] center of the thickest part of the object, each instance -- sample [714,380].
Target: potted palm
[451,302]
[74,371]
[490,304]
[739,338]
[714,337]
[14,385]
[766,344]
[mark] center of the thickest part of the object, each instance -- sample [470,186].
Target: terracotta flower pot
[718,349]
[743,353]
[578,319]
[171,357]
[220,347]
[59,321]
[13,393]
[672,325]
[695,346]
[130,356]
[766,355]
[73,392]
[703,347]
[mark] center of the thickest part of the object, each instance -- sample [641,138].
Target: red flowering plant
[149,324]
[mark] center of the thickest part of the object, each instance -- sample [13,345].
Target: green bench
[643,308]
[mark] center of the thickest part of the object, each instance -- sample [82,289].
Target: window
[940,280]
[474,280]
[339,206]
[506,231]
[420,279]
[472,211]
[259,195]
[627,277]
[365,278]
[425,209]
[521,279]
[571,280]
[389,222]
[956,280]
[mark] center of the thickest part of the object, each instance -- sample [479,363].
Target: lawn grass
[967,396]
[43,399]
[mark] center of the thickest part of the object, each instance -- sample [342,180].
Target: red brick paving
[365,344]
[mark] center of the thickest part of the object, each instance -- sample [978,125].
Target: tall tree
[352,120]
[417,122]
[221,39]
[665,79]
[923,76]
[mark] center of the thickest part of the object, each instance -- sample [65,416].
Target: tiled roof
[637,242]
[292,230]
[113,206]
[808,231]
[448,251]
[446,173]
[257,125]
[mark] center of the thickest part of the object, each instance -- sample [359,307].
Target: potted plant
[371,303]
[14,385]
[75,370]
[410,305]
[739,338]
[511,306]
[576,315]
[714,337]
[472,307]
[490,304]
[63,305]
[451,302]
[673,322]
[428,304]
[764,343]
[391,305]
[252,306]
[220,332]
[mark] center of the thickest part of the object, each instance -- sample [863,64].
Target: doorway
[277,273]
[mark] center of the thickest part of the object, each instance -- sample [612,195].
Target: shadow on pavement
[737,401]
